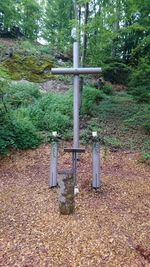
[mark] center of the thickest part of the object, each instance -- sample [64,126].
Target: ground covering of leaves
[110,227]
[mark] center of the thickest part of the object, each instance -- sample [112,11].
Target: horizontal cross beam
[76,71]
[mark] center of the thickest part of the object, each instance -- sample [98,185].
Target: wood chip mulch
[110,227]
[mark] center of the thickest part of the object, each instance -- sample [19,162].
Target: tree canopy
[114,34]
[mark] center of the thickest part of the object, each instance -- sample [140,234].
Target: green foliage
[141,75]
[141,93]
[45,49]
[16,128]
[28,46]
[117,108]
[141,119]
[53,112]
[142,51]
[21,94]
[107,89]
[139,84]
[24,131]
[22,16]
[31,18]
[145,157]
[92,125]
[4,87]
[112,142]
[17,132]
[4,72]
[91,97]
[25,135]
[57,23]
[116,72]
[145,153]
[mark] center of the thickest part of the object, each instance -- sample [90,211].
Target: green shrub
[4,72]
[45,49]
[139,85]
[28,47]
[53,112]
[141,119]
[4,88]
[6,138]
[116,72]
[22,94]
[117,108]
[86,133]
[141,93]
[55,121]
[145,152]
[91,97]
[145,158]
[17,131]
[107,89]
[112,142]
[24,131]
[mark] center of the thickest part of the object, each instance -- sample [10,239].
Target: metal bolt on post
[53,160]
[95,161]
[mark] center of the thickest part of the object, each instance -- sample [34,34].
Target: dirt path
[110,227]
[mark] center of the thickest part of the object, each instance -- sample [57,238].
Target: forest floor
[110,227]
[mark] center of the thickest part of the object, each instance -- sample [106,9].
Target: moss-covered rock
[28,67]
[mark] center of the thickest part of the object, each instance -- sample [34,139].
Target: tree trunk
[116,28]
[85,35]
[84,51]
[75,9]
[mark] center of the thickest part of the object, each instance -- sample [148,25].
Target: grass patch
[121,122]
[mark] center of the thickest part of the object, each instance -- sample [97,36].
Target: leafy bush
[45,49]
[16,128]
[107,89]
[145,153]
[55,121]
[116,72]
[141,93]
[4,72]
[18,132]
[91,97]
[4,87]
[117,108]
[22,94]
[112,142]
[28,47]
[25,134]
[6,137]
[145,157]
[139,85]
[53,112]
[86,133]
[141,119]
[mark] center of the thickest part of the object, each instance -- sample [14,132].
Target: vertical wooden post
[66,193]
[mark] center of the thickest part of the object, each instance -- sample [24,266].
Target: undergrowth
[27,117]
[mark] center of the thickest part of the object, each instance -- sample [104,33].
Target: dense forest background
[114,35]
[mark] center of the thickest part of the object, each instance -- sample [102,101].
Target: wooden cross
[76,71]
